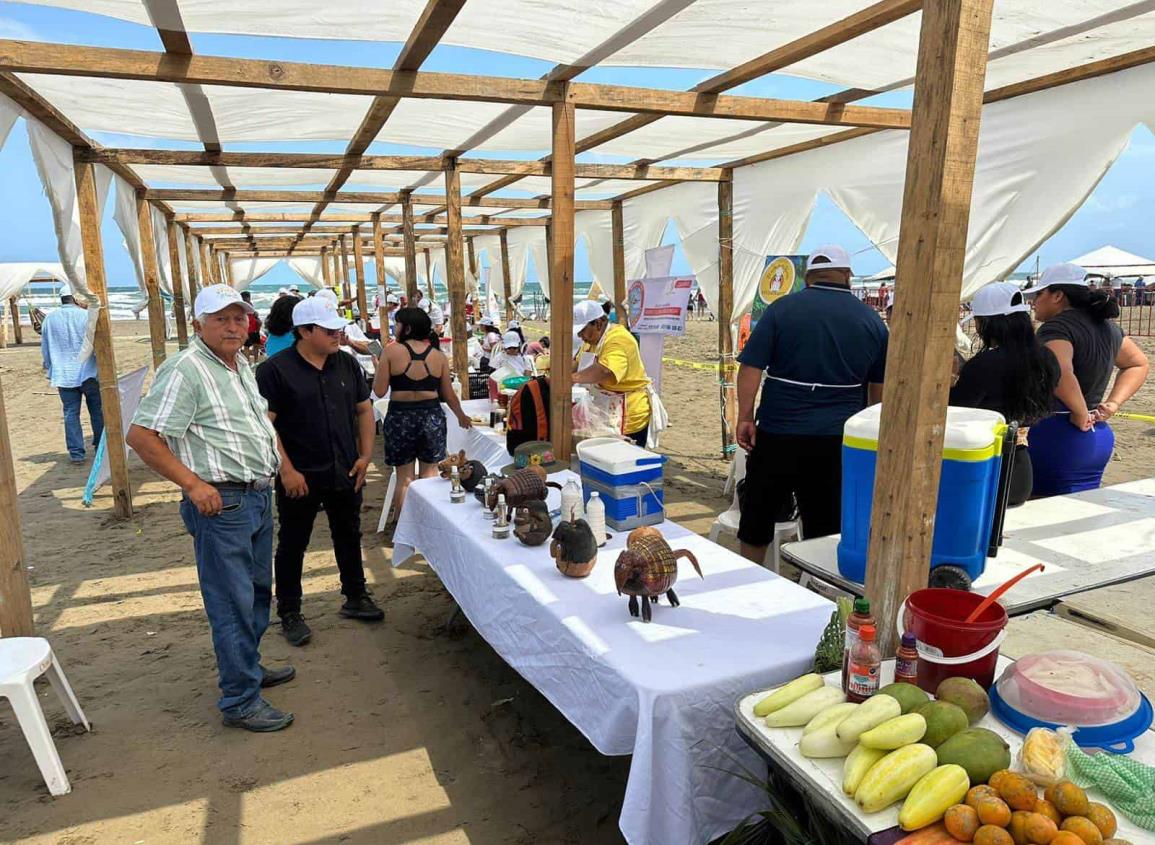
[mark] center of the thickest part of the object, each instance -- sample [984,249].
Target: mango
[979,751]
[908,695]
[788,693]
[930,798]
[895,733]
[943,720]
[891,778]
[966,694]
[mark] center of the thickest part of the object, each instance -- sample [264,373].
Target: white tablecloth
[481,443]
[663,692]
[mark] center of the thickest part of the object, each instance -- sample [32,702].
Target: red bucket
[948,646]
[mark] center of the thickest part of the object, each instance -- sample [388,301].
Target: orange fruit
[1019,792]
[1083,828]
[1064,837]
[988,834]
[993,811]
[996,780]
[1104,819]
[1018,827]
[961,822]
[1045,808]
[1070,800]
[981,791]
[1039,829]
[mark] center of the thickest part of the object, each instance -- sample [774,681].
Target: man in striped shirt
[205,427]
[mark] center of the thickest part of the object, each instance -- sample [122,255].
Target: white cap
[584,313]
[437,316]
[326,295]
[283,292]
[318,311]
[997,299]
[486,321]
[510,339]
[513,324]
[294,289]
[1060,274]
[391,299]
[828,257]
[216,298]
[424,304]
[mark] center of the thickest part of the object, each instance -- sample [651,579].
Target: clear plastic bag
[1043,755]
[598,413]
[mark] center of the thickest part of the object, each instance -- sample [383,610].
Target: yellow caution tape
[1140,417]
[694,365]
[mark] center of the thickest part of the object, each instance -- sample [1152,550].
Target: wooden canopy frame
[948,98]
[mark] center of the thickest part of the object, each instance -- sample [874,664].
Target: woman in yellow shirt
[616,367]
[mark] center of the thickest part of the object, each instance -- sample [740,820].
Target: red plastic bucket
[949,647]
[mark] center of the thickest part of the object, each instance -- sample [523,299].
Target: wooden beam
[15,592]
[727,370]
[89,213]
[359,269]
[455,269]
[379,258]
[1076,74]
[346,289]
[429,276]
[337,218]
[17,329]
[801,147]
[411,288]
[266,217]
[178,303]
[326,268]
[356,197]
[507,286]
[948,94]
[472,266]
[156,327]
[619,255]
[196,278]
[561,282]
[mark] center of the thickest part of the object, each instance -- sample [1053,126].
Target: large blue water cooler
[967,492]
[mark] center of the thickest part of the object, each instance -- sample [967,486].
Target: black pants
[639,437]
[806,468]
[296,518]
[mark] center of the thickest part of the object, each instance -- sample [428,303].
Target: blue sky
[1116,212]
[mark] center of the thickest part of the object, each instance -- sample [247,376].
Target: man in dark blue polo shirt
[823,353]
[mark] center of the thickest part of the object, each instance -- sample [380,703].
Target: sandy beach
[407,731]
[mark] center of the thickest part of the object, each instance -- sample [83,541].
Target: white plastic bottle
[571,502]
[596,517]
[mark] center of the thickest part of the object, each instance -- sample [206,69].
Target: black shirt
[986,381]
[316,413]
[1096,346]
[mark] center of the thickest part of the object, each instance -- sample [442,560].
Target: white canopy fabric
[1112,261]
[308,268]
[15,276]
[247,270]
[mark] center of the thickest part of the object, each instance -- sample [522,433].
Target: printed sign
[783,274]
[658,306]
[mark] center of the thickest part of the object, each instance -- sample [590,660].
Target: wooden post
[382,278]
[151,279]
[178,306]
[455,269]
[227,263]
[504,237]
[948,94]
[359,268]
[548,271]
[412,289]
[208,271]
[429,277]
[473,272]
[326,268]
[115,453]
[17,329]
[561,238]
[343,269]
[618,228]
[15,594]
[727,370]
[195,274]
[3,328]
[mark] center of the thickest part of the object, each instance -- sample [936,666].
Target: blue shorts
[1066,460]
[414,431]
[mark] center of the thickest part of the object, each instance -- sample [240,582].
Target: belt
[245,486]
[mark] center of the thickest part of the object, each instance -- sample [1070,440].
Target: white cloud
[1111,203]
[19,31]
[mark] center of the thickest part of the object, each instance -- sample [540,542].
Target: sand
[407,731]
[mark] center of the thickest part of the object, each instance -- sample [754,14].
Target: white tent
[1112,261]
[14,277]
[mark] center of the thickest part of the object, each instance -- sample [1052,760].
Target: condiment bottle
[456,491]
[861,616]
[596,517]
[501,528]
[906,660]
[865,660]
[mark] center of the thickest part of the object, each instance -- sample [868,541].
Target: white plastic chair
[727,521]
[22,661]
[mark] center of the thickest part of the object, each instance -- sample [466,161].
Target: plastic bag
[599,413]
[1043,755]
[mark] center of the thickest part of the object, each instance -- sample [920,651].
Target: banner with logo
[783,274]
[658,306]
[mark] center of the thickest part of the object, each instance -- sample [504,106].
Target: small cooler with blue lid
[967,494]
[627,478]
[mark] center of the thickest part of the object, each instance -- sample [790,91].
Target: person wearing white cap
[609,359]
[204,426]
[295,290]
[512,355]
[282,292]
[490,341]
[823,353]
[62,336]
[1070,449]
[1012,373]
[319,403]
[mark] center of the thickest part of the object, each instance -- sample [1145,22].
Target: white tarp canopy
[1112,261]
[15,276]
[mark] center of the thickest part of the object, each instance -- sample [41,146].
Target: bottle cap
[866,633]
[594,495]
[909,640]
[862,606]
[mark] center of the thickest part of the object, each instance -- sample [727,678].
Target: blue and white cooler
[626,477]
[967,491]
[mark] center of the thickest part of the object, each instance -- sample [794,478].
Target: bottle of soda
[906,660]
[861,616]
[865,660]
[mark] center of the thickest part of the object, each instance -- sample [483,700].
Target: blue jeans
[73,434]
[234,553]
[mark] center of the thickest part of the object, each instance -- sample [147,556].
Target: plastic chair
[727,521]
[22,661]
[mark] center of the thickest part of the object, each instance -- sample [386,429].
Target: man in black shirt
[319,405]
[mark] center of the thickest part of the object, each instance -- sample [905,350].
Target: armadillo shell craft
[531,523]
[471,475]
[525,485]
[574,548]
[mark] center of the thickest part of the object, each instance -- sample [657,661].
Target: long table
[1086,540]
[662,692]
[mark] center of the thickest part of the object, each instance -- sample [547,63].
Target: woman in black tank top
[415,374]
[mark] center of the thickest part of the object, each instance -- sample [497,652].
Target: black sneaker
[362,607]
[275,677]
[262,719]
[295,630]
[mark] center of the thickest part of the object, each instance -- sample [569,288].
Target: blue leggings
[1067,460]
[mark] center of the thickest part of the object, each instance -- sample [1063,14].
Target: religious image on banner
[658,306]
[783,274]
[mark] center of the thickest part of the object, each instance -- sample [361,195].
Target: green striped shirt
[212,417]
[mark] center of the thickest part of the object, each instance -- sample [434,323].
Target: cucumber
[799,712]
[831,717]
[824,743]
[870,714]
[858,763]
[787,694]
[895,733]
